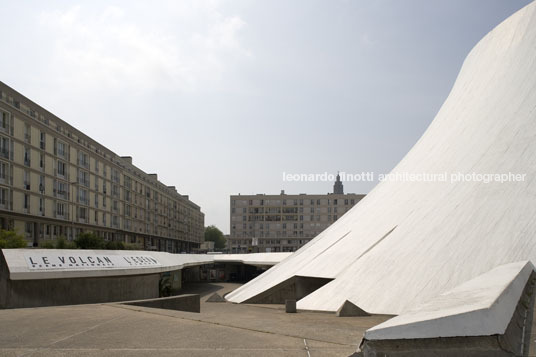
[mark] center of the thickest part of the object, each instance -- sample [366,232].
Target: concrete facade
[56,181]
[283,223]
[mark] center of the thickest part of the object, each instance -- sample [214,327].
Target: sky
[225,97]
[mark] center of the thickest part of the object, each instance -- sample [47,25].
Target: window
[4,147]
[4,122]
[61,149]
[83,178]
[61,189]
[27,180]
[3,197]
[82,212]
[4,167]
[42,184]
[61,168]
[115,175]
[27,131]
[115,191]
[27,156]
[26,201]
[83,196]
[41,161]
[128,182]
[42,140]
[83,159]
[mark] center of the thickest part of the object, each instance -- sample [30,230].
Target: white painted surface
[257,259]
[482,306]
[441,234]
[26,264]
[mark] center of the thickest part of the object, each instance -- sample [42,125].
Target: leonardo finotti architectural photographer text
[448,177]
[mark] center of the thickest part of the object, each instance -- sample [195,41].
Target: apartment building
[55,181]
[284,223]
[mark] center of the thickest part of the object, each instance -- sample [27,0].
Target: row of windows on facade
[294,202]
[277,234]
[82,212]
[267,241]
[267,226]
[61,190]
[61,150]
[278,210]
[292,218]
[7,123]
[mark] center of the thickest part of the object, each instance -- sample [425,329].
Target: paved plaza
[221,329]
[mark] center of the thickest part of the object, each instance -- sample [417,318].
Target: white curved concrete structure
[483,306]
[28,264]
[407,242]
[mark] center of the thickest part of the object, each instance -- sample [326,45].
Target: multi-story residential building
[284,223]
[56,181]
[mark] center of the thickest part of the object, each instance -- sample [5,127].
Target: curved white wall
[406,242]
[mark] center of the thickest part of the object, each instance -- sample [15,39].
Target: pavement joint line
[306,347]
[48,347]
[220,324]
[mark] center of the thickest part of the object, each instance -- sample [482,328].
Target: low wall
[187,302]
[71,291]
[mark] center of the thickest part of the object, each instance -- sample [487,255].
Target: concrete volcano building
[409,241]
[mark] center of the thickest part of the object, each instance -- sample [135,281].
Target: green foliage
[89,240]
[63,243]
[46,244]
[133,246]
[111,245]
[213,234]
[10,239]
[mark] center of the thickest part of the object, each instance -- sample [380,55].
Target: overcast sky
[223,97]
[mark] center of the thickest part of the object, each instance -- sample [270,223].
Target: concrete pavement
[221,329]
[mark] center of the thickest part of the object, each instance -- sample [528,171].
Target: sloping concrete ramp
[215,298]
[412,239]
[490,315]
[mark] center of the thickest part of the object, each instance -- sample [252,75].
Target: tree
[213,234]
[89,240]
[10,239]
